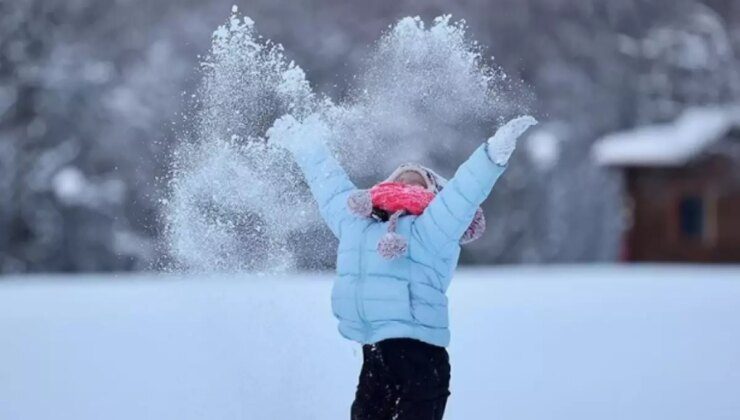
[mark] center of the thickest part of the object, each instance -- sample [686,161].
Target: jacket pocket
[386,299]
[343,303]
[428,305]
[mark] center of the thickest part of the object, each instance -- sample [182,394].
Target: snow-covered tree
[89,91]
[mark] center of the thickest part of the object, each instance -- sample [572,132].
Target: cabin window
[734,134]
[692,217]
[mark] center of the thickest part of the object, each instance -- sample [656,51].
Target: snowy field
[566,343]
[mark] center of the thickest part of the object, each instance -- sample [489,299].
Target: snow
[72,188]
[543,149]
[421,93]
[668,144]
[563,342]
[69,184]
[232,198]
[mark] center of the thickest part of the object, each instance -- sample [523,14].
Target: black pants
[402,379]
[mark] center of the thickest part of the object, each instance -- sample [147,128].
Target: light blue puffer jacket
[374,298]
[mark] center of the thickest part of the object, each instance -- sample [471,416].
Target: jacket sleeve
[450,213]
[328,182]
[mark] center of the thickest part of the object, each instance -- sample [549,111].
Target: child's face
[412,178]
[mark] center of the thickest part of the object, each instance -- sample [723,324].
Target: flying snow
[423,91]
[235,201]
[238,203]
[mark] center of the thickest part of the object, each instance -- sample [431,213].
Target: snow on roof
[669,144]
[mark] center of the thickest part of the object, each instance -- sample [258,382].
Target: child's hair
[380,214]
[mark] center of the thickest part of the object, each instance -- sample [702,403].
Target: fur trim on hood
[392,245]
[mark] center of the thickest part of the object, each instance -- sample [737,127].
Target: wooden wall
[663,229]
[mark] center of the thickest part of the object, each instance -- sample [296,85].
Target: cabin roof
[669,144]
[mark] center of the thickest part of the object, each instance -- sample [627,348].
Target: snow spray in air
[425,94]
[237,203]
[234,200]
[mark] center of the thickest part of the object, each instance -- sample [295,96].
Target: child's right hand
[297,136]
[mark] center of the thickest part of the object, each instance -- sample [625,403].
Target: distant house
[682,181]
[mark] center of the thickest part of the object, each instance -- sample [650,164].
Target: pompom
[392,245]
[360,203]
[476,228]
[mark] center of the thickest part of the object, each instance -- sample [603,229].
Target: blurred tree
[88,92]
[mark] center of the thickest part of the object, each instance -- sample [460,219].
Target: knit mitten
[501,145]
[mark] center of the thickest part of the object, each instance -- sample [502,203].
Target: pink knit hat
[393,245]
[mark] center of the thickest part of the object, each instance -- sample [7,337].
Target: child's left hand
[502,144]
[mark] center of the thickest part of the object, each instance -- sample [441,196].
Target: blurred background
[588,298]
[636,156]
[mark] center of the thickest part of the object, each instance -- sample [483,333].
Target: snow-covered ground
[571,343]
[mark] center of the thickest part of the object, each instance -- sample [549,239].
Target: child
[399,244]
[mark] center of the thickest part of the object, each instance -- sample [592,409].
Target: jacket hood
[434,181]
[392,245]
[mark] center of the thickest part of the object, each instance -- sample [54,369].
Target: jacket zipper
[360,287]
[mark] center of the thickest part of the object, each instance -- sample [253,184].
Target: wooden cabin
[682,186]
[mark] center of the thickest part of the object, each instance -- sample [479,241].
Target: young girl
[399,244]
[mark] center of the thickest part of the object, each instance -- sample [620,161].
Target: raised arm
[328,182]
[450,213]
